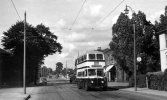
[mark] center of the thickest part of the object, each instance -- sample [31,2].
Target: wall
[0,70]
[163,51]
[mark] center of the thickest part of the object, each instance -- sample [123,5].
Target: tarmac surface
[18,94]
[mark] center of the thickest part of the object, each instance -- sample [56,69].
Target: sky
[92,29]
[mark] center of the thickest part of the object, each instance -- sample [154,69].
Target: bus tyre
[86,87]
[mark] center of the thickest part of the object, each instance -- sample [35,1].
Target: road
[62,90]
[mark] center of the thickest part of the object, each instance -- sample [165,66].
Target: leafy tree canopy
[40,42]
[59,67]
[122,43]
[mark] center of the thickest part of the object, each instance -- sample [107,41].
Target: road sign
[138,59]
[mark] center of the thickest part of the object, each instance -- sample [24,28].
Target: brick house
[112,70]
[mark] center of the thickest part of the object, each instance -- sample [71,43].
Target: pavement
[146,91]
[13,94]
[117,84]
[123,86]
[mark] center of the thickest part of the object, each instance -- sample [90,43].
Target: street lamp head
[126,10]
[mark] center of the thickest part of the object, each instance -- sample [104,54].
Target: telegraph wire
[78,14]
[112,11]
[93,28]
[15,9]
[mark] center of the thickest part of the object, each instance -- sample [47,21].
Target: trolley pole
[24,62]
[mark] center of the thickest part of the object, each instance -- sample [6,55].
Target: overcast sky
[59,15]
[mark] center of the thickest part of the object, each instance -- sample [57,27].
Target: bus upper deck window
[99,57]
[91,56]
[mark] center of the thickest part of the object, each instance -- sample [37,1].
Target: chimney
[99,49]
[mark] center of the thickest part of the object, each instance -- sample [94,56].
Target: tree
[40,43]
[162,23]
[122,42]
[146,43]
[59,67]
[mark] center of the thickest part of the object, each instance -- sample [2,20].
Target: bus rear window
[99,57]
[91,56]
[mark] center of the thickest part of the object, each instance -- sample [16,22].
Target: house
[163,49]
[112,70]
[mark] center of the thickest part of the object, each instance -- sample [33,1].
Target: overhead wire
[112,11]
[109,14]
[93,28]
[16,9]
[78,14]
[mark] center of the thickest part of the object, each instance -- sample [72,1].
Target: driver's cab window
[92,72]
[100,72]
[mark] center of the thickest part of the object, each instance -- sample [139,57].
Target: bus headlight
[91,81]
[102,81]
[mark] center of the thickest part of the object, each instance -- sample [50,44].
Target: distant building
[163,49]
[50,71]
[112,70]
[44,72]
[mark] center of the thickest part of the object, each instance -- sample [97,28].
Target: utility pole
[134,46]
[66,69]
[24,62]
[134,51]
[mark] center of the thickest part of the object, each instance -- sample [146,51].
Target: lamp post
[134,45]
[24,61]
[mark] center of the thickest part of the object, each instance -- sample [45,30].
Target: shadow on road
[114,88]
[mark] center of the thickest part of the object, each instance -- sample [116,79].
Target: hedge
[165,80]
[157,80]
[140,80]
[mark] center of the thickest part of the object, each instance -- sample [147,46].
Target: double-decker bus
[90,73]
